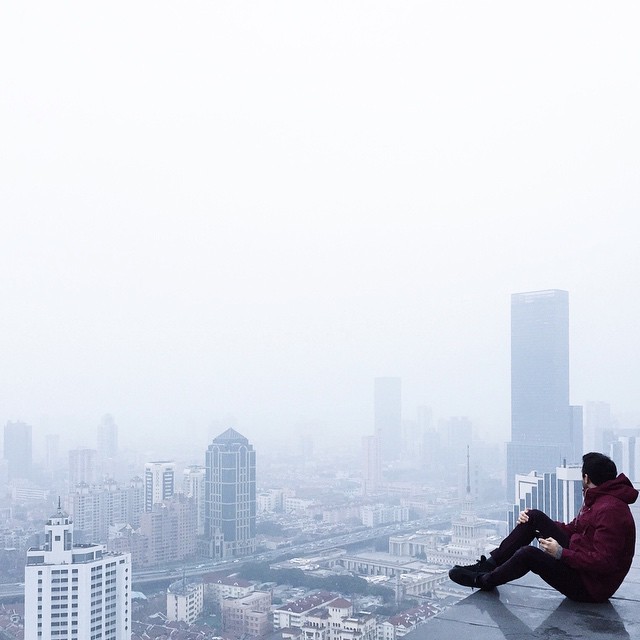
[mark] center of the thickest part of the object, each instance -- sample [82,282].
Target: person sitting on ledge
[585,560]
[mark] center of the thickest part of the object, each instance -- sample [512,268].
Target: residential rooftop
[310,602]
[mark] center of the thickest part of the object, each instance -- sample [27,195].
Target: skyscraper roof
[231,435]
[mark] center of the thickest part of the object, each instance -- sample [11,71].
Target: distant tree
[345,584]
[259,571]
[382,544]
[387,594]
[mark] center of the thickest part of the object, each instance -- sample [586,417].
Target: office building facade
[542,421]
[388,416]
[557,493]
[18,449]
[107,436]
[52,452]
[625,452]
[371,467]
[83,467]
[597,421]
[230,493]
[170,531]
[193,486]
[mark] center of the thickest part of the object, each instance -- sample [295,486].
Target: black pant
[515,558]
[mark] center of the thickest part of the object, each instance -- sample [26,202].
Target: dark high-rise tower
[541,419]
[107,438]
[388,416]
[17,449]
[230,493]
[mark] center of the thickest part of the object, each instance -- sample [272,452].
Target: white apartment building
[628,458]
[94,509]
[193,486]
[293,613]
[292,504]
[83,467]
[372,464]
[219,588]
[159,482]
[335,515]
[336,621]
[272,500]
[375,515]
[76,592]
[23,491]
[185,601]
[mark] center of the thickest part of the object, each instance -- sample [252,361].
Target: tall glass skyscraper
[388,416]
[541,418]
[230,493]
[17,449]
[107,433]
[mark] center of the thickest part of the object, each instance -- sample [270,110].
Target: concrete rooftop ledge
[528,609]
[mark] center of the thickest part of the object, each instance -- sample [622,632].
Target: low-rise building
[471,538]
[297,505]
[335,515]
[378,514]
[185,601]
[336,620]
[292,614]
[399,625]
[248,615]
[217,588]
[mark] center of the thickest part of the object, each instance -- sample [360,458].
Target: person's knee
[536,517]
[533,559]
[528,555]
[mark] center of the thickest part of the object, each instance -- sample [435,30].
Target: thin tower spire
[468,473]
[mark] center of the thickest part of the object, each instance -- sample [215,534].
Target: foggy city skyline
[254,210]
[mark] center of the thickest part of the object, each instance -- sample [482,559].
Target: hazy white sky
[254,208]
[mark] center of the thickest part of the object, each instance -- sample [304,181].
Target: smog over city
[309,223]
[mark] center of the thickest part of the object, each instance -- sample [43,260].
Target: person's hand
[550,546]
[523,517]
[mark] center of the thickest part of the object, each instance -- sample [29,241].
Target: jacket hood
[619,487]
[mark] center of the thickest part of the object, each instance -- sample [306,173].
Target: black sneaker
[484,565]
[469,578]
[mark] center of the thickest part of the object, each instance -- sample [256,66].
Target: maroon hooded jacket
[602,538]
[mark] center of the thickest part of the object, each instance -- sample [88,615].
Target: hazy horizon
[254,209]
